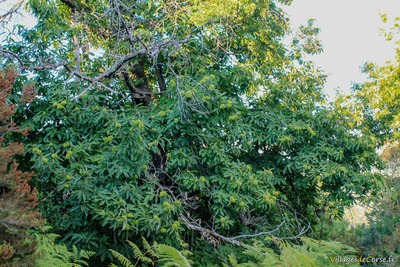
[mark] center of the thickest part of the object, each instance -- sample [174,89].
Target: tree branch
[153,48]
[213,237]
[13,10]
[75,39]
[23,67]
[157,46]
[160,77]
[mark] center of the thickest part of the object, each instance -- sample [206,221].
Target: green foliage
[377,100]
[17,199]
[385,216]
[310,253]
[138,253]
[50,253]
[124,261]
[374,109]
[380,236]
[161,254]
[170,113]
[170,256]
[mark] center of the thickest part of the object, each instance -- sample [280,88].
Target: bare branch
[157,46]
[44,67]
[13,10]
[23,67]
[75,39]
[11,54]
[126,28]
[154,49]
[210,235]
[213,237]
[119,64]
[249,220]
[86,78]
[260,233]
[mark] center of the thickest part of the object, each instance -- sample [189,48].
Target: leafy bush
[50,253]
[310,253]
[160,254]
[193,121]
[17,199]
[379,237]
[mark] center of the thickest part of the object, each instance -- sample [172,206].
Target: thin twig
[13,10]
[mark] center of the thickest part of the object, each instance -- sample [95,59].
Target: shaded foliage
[51,253]
[17,199]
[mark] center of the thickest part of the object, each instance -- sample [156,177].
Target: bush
[17,198]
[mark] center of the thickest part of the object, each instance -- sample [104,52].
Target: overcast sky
[350,32]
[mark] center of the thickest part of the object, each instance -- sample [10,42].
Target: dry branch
[213,237]
[13,10]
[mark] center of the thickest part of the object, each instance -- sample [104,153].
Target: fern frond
[52,254]
[294,256]
[186,253]
[139,254]
[262,255]
[148,249]
[322,250]
[232,260]
[182,242]
[170,256]
[121,258]
[252,264]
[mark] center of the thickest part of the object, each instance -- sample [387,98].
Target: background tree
[17,198]
[382,234]
[377,101]
[374,109]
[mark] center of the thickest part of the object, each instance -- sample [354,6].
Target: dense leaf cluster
[182,120]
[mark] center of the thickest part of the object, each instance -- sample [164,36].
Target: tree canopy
[181,121]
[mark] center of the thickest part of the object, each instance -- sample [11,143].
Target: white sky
[350,32]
